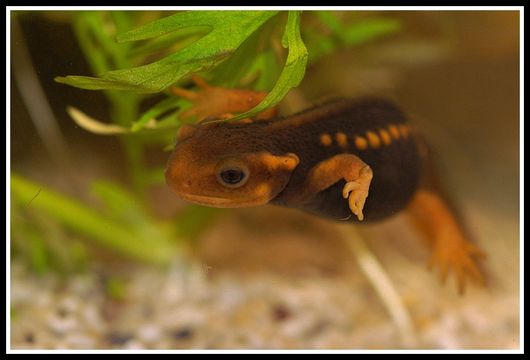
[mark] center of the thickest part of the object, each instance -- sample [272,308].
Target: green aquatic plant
[120,225]
[231,46]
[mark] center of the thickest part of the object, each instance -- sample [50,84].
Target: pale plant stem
[382,284]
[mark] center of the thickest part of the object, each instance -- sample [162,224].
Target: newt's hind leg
[452,252]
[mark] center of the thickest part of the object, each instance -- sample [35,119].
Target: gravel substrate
[185,308]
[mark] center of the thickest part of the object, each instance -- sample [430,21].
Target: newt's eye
[233,177]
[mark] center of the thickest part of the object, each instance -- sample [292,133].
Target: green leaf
[95,32]
[170,42]
[228,31]
[84,82]
[293,71]
[328,18]
[38,256]
[113,235]
[357,32]
[121,203]
[369,29]
[230,71]
[169,24]
[155,111]
[125,208]
[172,121]
[267,69]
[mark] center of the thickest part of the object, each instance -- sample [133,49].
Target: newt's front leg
[357,174]
[213,102]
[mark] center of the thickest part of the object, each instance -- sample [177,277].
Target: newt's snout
[177,178]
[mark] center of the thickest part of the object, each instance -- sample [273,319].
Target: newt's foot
[213,102]
[454,253]
[356,191]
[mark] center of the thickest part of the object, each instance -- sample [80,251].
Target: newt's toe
[356,192]
[459,257]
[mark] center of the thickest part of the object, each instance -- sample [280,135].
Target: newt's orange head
[227,165]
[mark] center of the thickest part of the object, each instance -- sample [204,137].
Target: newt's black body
[396,166]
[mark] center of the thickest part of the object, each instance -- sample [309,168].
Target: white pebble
[80,341]
[134,345]
[91,316]
[149,333]
[61,325]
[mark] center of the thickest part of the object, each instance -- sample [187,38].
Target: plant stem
[124,110]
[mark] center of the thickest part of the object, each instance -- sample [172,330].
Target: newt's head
[227,165]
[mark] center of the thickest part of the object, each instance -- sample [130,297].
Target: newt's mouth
[206,200]
[220,202]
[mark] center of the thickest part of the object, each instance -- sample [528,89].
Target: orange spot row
[373,139]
